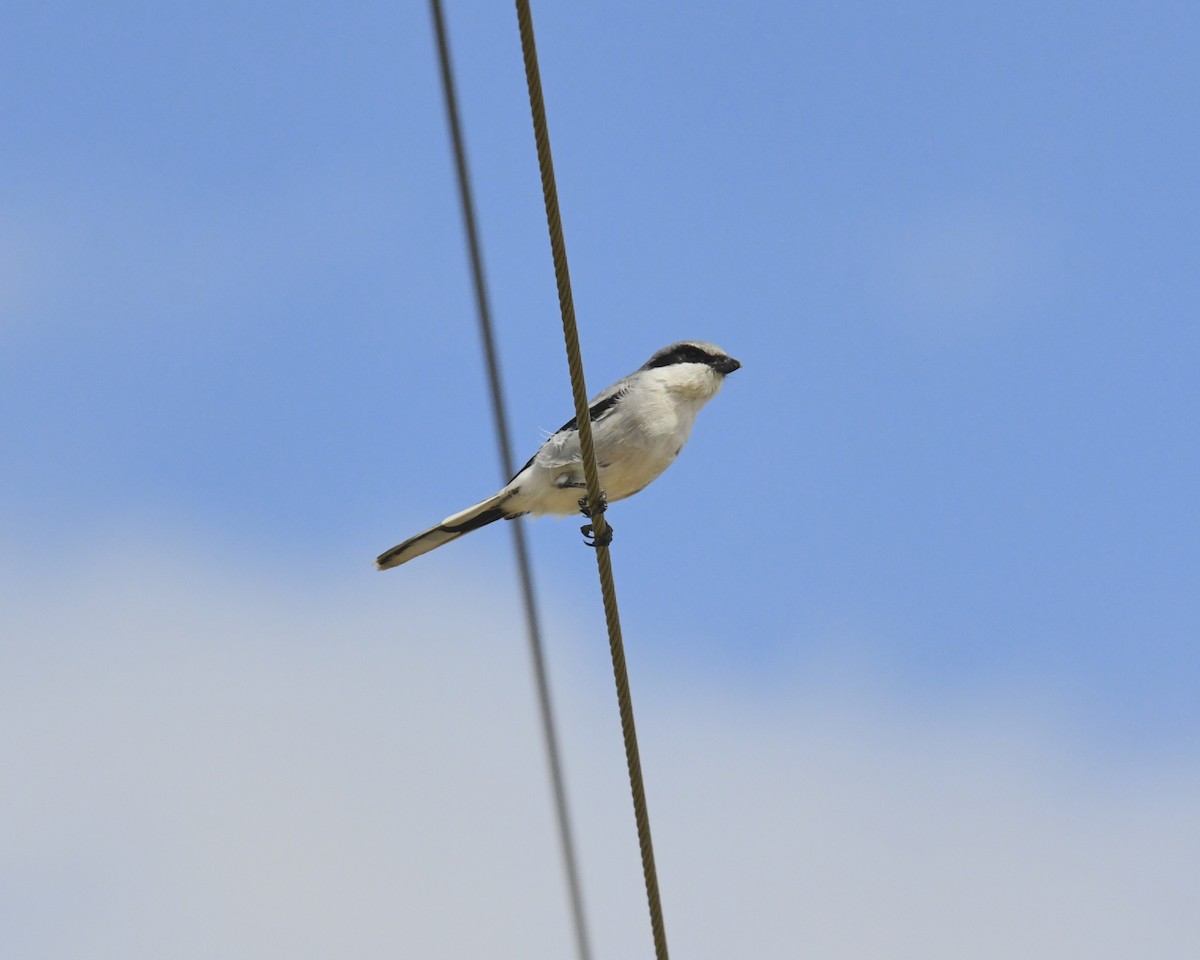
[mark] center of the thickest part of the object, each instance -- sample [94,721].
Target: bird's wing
[562,447]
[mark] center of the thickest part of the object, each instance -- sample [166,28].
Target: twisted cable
[608,588]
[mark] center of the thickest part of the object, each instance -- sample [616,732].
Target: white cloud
[206,761]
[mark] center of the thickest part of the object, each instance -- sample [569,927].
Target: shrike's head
[692,368]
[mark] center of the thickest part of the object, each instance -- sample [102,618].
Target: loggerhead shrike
[639,425]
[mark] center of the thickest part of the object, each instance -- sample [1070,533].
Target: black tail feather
[480,520]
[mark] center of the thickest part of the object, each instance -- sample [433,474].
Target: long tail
[449,529]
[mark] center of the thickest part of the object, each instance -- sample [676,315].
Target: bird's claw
[586,509]
[588,530]
[589,533]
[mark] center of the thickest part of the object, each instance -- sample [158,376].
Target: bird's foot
[588,512]
[590,538]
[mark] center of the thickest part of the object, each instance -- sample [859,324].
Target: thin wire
[484,313]
[579,389]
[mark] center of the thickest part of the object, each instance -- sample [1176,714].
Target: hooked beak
[728,365]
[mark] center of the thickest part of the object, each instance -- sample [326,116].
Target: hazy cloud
[958,266]
[203,760]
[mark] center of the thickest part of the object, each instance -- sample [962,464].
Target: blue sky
[953,245]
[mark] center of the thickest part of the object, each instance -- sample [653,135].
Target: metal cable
[579,389]
[484,313]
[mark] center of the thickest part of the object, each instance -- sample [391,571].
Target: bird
[639,425]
